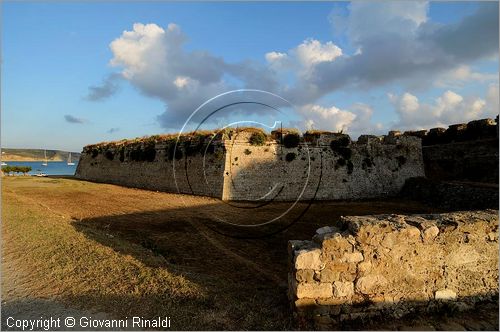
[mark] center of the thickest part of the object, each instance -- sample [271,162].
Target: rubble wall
[392,264]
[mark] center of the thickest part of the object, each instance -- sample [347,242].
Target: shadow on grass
[245,279]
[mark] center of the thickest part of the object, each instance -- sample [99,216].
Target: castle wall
[391,265]
[328,167]
[462,152]
[372,168]
[194,174]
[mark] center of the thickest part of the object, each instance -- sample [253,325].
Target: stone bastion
[248,164]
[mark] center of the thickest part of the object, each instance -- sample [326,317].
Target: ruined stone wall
[462,152]
[391,264]
[194,173]
[321,169]
[324,167]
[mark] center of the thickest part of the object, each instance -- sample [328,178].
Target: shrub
[345,153]
[136,154]
[341,142]
[341,162]
[350,167]
[172,152]
[291,140]
[122,154]
[290,156]
[401,160]
[109,155]
[247,152]
[191,148]
[95,152]
[149,153]
[257,139]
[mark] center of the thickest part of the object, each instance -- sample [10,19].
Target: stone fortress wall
[152,165]
[390,265]
[282,166]
[461,166]
[461,152]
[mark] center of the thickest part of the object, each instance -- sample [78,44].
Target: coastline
[18,158]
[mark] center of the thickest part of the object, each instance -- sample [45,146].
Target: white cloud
[369,19]
[394,42]
[272,57]
[154,60]
[398,43]
[311,52]
[492,100]
[184,81]
[355,121]
[463,74]
[326,118]
[301,59]
[449,108]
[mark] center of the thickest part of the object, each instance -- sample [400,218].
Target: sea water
[52,168]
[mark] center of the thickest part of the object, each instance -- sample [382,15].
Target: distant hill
[36,155]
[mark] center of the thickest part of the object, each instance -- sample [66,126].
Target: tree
[15,169]
[7,169]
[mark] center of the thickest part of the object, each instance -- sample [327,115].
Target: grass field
[128,252]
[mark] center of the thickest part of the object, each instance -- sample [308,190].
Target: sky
[80,73]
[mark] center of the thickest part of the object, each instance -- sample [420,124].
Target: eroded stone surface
[314,290]
[445,294]
[308,259]
[398,264]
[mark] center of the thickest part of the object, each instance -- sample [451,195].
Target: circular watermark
[257,169]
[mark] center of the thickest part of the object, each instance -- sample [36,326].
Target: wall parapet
[462,132]
[392,264]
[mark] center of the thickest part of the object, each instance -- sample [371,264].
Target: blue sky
[344,66]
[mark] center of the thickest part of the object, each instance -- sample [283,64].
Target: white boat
[45,157]
[69,160]
[41,174]
[4,163]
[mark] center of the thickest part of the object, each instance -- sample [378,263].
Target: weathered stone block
[370,284]
[314,290]
[305,303]
[343,289]
[305,275]
[365,266]
[308,259]
[411,234]
[430,233]
[354,257]
[445,294]
[329,275]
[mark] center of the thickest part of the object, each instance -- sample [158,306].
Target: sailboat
[45,158]
[69,160]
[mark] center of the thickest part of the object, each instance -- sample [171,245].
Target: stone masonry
[327,166]
[391,265]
